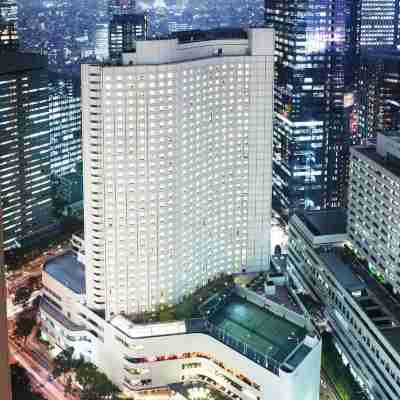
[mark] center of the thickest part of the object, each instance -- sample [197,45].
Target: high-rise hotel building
[177,168]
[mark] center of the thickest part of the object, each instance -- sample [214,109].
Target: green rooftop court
[258,328]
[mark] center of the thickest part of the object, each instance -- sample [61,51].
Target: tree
[24,326]
[21,385]
[277,250]
[95,384]
[64,362]
[22,295]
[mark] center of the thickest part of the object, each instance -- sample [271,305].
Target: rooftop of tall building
[385,153]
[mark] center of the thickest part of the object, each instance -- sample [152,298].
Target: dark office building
[8,21]
[379,93]
[24,148]
[65,124]
[118,7]
[124,31]
[310,135]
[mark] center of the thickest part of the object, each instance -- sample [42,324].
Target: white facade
[374,205]
[362,315]
[144,356]
[101,50]
[177,168]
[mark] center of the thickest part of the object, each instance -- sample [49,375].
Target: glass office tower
[124,31]
[24,148]
[65,124]
[310,161]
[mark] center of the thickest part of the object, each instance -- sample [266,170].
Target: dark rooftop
[132,18]
[258,328]
[19,62]
[370,152]
[67,270]
[212,34]
[342,272]
[324,222]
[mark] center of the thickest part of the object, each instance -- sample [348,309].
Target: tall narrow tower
[177,167]
[309,136]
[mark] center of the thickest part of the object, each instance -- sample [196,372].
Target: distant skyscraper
[125,30]
[379,92]
[118,7]
[377,23]
[102,38]
[8,22]
[65,124]
[309,134]
[5,382]
[177,167]
[24,147]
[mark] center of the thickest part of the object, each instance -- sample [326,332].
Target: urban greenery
[24,326]
[338,373]
[23,294]
[93,384]
[21,385]
[189,306]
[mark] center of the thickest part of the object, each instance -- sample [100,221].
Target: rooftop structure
[323,225]
[235,340]
[258,328]
[67,270]
[363,313]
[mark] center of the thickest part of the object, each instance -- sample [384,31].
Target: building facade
[377,23]
[177,168]
[118,7]
[361,312]
[65,125]
[8,25]
[243,348]
[310,139]
[374,198]
[124,31]
[379,93]
[24,148]
[102,39]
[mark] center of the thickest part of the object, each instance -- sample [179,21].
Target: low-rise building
[363,315]
[240,344]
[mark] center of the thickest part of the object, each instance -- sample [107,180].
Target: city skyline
[199,200]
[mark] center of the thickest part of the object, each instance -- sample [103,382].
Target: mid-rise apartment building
[177,167]
[362,313]
[374,199]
